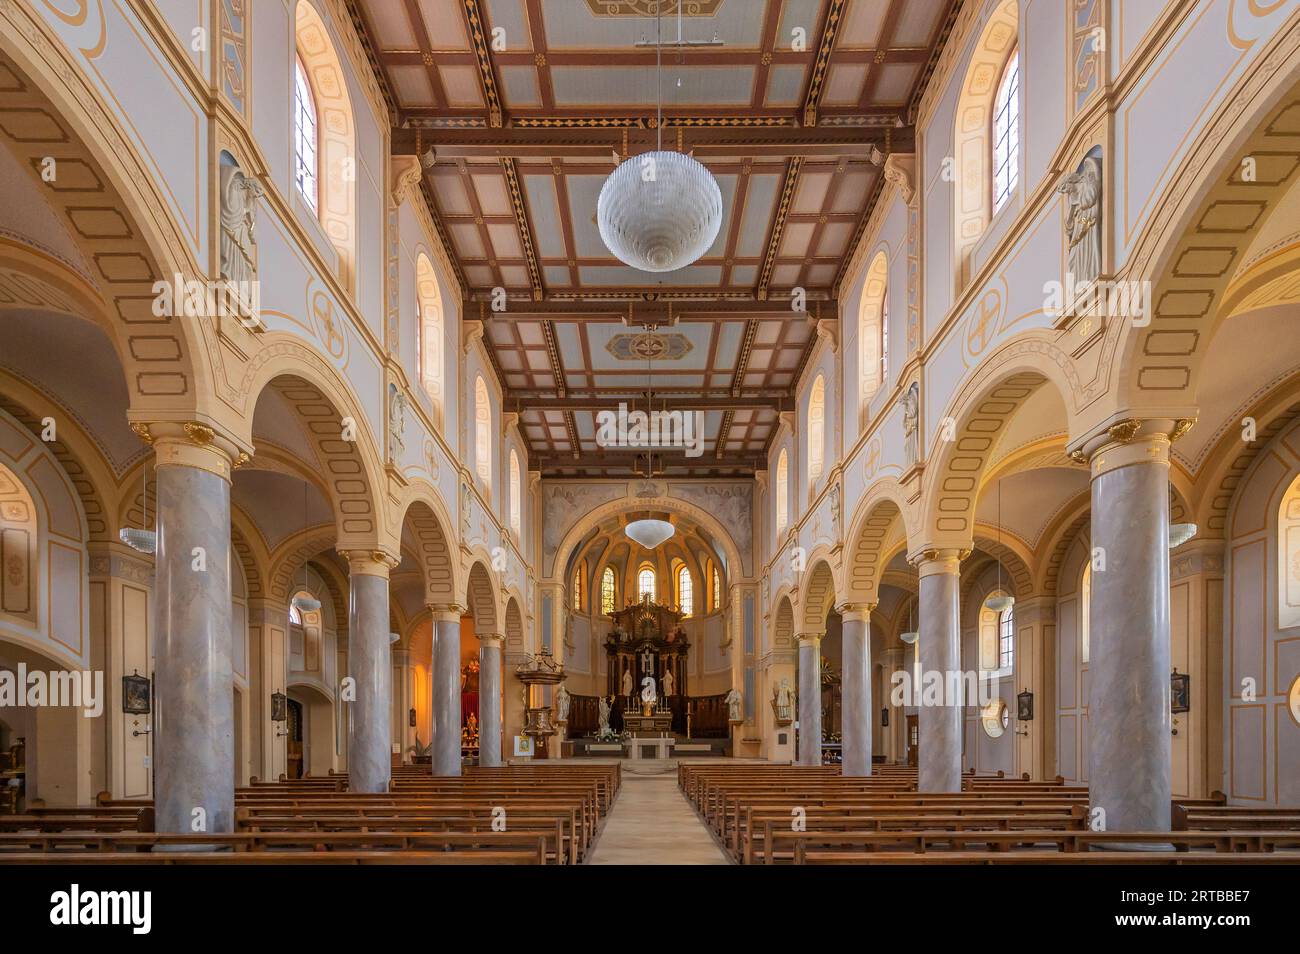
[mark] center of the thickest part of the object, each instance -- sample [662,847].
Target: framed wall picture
[1180,692]
[279,707]
[136,695]
[524,746]
[1025,706]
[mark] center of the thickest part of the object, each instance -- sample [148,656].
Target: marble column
[489,700]
[939,715]
[810,700]
[194,724]
[857,694]
[445,687]
[1128,712]
[897,721]
[371,668]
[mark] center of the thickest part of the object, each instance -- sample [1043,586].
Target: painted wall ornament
[911,423]
[1083,191]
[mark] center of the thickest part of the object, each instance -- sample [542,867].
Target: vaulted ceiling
[521,109]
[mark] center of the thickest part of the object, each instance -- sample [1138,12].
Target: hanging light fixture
[141,538]
[304,602]
[999,604]
[394,638]
[911,636]
[649,532]
[662,211]
[1180,533]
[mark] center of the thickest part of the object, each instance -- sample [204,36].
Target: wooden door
[913,741]
[293,748]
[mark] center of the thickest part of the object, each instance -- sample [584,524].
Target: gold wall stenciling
[234,52]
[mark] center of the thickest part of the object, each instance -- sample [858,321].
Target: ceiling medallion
[649,346]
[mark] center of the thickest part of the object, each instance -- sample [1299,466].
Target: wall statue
[1082,189]
[733,706]
[396,422]
[911,423]
[562,703]
[239,195]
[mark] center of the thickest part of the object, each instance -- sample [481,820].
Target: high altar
[648,640]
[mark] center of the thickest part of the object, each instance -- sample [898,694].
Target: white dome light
[910,637]
[659,211]
[1000,604]
[304,603]
[1180,533]
[649,533]
[146,541]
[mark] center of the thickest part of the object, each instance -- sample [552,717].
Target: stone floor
[651,823]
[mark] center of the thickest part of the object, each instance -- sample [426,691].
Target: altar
[649,748]
[658,723]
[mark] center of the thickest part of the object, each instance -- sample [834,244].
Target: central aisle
[651,823]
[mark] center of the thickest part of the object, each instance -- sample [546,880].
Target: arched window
[873,331]
[325,138]
[816,431]
[304,135]
[645,583]
[975,150]
[1007,639]
[514,492]
[607,591]
[1085,612]
[782,491]
[578,575]
[1288,558]
[717,589]
[685,591]
[429,332]
[884,337]
[1006,132]
[482,433]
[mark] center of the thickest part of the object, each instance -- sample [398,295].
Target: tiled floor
[651,823]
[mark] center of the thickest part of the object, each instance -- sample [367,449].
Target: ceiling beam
[602,142]
[639,312]
[525,402]
[673,458]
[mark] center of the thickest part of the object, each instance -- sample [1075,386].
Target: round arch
[580,529]
[136,240]
[880,520]
[817,598]
[481,600]
[1206,220]
[871,315]
[423,515]
[957,467]
[336,425]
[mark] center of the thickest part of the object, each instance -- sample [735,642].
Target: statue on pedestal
[604,729]
[733,706]
[669,683]
[562,705]
[627,682]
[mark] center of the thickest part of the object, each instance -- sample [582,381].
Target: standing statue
[733,706]
[396,422]
[239,195]
[1082,189]
[648,694]
[562,705]
[627,682]
[911,423]
[669,683]
[604,717]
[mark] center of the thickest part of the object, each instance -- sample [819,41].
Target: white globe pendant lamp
[649,532]
[661,210]
[1180,533]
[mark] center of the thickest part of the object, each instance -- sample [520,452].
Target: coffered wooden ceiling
[520,109]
